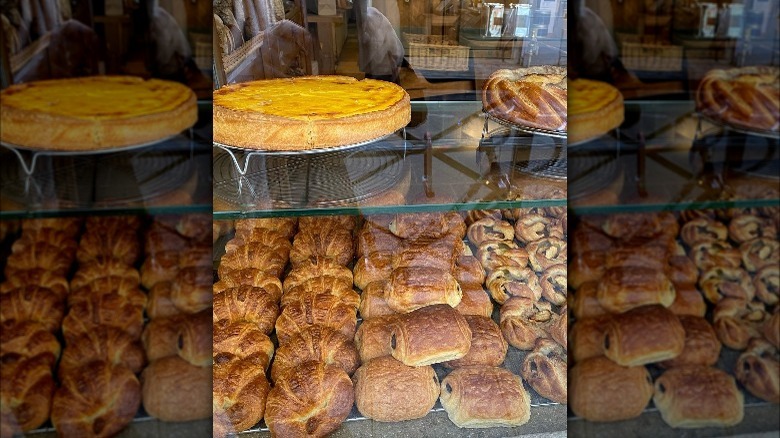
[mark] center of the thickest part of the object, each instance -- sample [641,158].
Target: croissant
[33,303]
[312,400]
[251,255]
[103,343]
[544,369]
[122,286]
[242,340]
[246,303]
[509,281]
[330,243]
[25,339]
[39,277]
[240,389]
[273,239]
[39,255]
[251,277]
[195,226]
[327,310]
[318,286]
[122,245]
[107,224]
[314,268]
[56,238]
[26,388]
[91,271]
[319,344]
[107,309]
[97,399]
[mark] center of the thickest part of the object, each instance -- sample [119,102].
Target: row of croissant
[78,280]
[420,294]
[662,295]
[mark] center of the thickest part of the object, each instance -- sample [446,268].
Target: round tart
[747,97]
[595,108]
[309,112]
[533,96]
[94,113]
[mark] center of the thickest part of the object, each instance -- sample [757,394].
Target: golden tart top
[310,97]
[588,96]
[97,97]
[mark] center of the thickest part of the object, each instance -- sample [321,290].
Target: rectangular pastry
[415,287]
[601,390]
[622,289]
[430,335]
[644,335]
[372,338]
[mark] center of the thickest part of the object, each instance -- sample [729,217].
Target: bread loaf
[481,396]
[430,335]
[387,390]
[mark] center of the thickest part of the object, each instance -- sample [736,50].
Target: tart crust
[595,108]
[242,117]
[70,114]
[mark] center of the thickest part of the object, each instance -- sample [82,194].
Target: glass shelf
[440,162]
[169,177]
[665,157]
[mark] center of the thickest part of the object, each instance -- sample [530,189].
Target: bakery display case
[312,232]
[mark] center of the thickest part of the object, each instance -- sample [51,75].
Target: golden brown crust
[194,339]
[644,335]
[387,390]
[241,340]
[681,271]
[601,390]
[702,346]
[546,252]
[329,243]
[475,301]
[316,268]
[744,97]
[176,390]
[767,283]
[481,396]
[585,302]
[32,303]
[688,301]
[596,108]
[488,346]
[622,289]
[108,344]
[321,286]
[39,277]
[438,253]
[523,321]
[415,287]
[256,130]
[506,282]
[323,309]
[737,321]
[489,229]
[160,335]
[313,400]
[372,268]
[108,309]
[97,399]
[25,339]
[34,128]
[544,369]
[429,335]
[698,396]
[239,394]
[27,387]
[372,301]
[468,270]
[372,338]
[372,238]
[587,337]
[319,344]
[251,277]
[758,369]
[246,303]
[533,96]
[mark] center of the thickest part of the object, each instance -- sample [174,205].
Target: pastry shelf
[169,176]
[667,157]
[443,163]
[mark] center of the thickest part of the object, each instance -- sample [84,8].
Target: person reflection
[380,51]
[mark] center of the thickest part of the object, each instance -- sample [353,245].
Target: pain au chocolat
[534,96]
[93,113]
[308,112]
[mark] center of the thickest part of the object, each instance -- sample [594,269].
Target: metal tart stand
[252,176]
[37,182]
